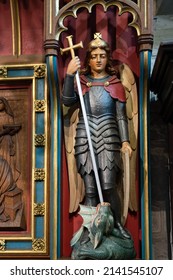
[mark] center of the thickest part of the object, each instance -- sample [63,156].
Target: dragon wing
[129,83]
[87,213]
[76,184]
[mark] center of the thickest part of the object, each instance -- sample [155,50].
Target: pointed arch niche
[127,26]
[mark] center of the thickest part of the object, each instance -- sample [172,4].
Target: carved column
[51,51]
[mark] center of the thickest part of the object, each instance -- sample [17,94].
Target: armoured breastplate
[101,113]
[99,102]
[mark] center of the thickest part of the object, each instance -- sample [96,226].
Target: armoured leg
[91,194]
[91,199]
[111,195]
[110,191]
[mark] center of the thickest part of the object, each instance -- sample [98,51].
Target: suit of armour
[106,112]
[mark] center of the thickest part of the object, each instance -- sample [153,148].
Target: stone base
[111,248]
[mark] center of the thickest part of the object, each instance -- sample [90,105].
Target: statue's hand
[73,65]
[126,148]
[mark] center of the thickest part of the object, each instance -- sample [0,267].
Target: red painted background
[31,20]
[6,47]
[123,43]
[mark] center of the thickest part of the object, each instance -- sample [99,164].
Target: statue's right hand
[73,65]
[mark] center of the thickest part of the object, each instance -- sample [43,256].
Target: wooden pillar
[145,188]
[51,51]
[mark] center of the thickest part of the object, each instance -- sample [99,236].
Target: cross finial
[71,46]
[97,35]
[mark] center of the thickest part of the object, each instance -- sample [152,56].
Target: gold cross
[97,35]
[71,46]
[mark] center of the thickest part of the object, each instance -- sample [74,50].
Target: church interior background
[39,225]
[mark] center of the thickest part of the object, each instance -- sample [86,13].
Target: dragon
[104,240]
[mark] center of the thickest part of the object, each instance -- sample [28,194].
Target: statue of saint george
[105,104]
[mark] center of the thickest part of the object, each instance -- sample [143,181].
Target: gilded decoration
[3,72]
[40,140]
[2,245]
[72,11]
[38,245]
[40,105]
[18,100]
[39,209]
[39,174]
[39,71]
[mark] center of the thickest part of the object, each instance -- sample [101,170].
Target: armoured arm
[122,121]
[69,96]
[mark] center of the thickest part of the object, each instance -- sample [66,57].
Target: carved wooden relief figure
[10,194]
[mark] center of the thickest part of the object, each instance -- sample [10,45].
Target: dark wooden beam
[162,79]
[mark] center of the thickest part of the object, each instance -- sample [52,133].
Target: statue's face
[98,61]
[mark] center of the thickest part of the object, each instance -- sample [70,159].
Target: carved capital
[51,47]
[145,42]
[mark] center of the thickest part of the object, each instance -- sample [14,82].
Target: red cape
[113,85]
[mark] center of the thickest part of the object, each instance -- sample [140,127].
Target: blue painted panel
[39,191]
[39,157]
[40,123]
[39,227]
[18,245]
[20,73]
[40,89]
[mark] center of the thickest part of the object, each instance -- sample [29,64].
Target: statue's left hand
[126,148]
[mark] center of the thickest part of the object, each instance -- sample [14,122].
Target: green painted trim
[55,160]
[145,184]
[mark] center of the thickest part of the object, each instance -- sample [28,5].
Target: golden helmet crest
[98,42]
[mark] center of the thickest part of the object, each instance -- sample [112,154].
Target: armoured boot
[91,199]
[111,196]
